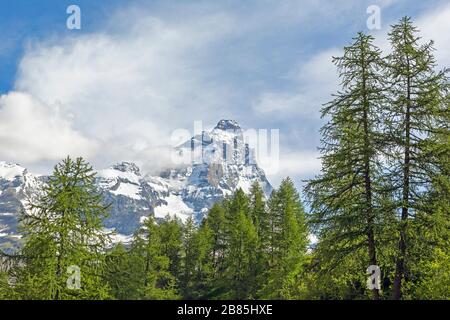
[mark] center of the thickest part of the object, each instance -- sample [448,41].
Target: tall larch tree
[157,282]
[289,244]
[344,197]
[241,236]
[216,223]
[198,266]
[172,244]
[64,237]
[416,109]
[260,218]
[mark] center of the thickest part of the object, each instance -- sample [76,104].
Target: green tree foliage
[383,195]
[198,263]
[5,288]
[345,197]
[434,282]
[242,244]
[124,273]
[288,247]
[261,220]
[172,245]
[256,251]
[63,228]
[215,222]
[416,120]
[147,251]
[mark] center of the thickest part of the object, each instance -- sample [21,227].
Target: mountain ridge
[225,164]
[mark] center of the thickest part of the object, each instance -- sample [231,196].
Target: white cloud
[434,25]
[125,87]
[128,88]
[297,165]
[32,131]
[315,80]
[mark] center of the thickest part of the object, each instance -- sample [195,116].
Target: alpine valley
[225,163]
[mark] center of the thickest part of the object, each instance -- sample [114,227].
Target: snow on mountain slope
[122,179]
[9,171]
[129,196]
[222,162]
[174,206]
[225,164]
[17,185]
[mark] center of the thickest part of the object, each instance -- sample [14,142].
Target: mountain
[216,163]
[16,186]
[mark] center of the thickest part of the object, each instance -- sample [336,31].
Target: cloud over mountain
[32,131]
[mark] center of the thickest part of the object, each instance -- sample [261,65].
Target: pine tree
[157,283]
[5,288]
[288,246]
[242,242]
[205,272]
[429,245]
[344,196]
[63,232]
[258,211]
[123,273]
[215,222]
[435,276]
[6,291]
[417,104]
[260,218]
[172,245]
[198,266]
[190,257]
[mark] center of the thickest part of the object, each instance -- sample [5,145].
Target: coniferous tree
[172,245]
[198,266]
[415,115]
[260,218]
[5,288]
[63,235]
[123,273]
[190,257]
[345,197]
[216,223]
[157,283]
[242,243]
[289,244]
[434,276]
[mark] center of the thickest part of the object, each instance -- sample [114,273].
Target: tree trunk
[368,184]
[400,264]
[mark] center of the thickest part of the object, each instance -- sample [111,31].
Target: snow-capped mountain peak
[122,179]
[10,171]
[127,167]
[225,164]
[227,125]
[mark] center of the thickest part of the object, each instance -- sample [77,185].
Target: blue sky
[137,70]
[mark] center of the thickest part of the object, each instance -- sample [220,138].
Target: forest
[382,199]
